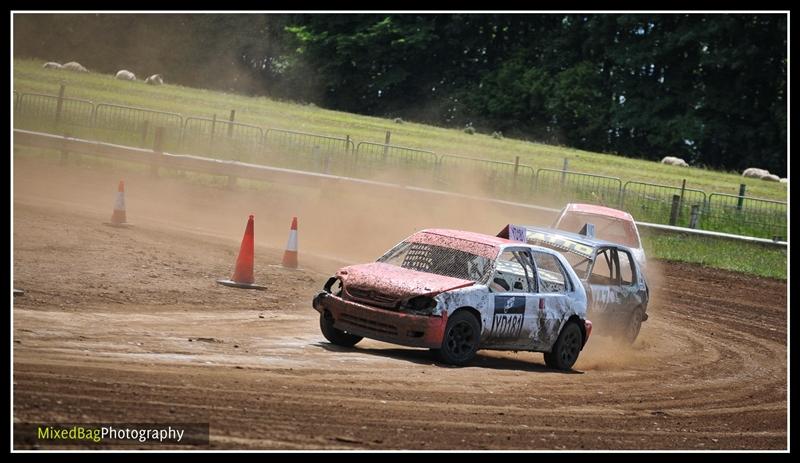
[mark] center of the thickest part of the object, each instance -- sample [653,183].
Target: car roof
[598,210]
[481,238]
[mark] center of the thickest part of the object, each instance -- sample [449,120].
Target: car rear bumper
[382,325]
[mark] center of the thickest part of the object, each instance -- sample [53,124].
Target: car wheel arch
[471,310]
[580,322]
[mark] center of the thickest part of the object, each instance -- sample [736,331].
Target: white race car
[457,292]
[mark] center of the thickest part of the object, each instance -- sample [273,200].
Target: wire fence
[135,126]
[741,215]
[227,139]
[471,175]
[307,151]
[50,113]
[650,202]
[561,186]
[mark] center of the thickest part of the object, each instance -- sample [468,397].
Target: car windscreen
[579,262]
[440,260]
[605,228]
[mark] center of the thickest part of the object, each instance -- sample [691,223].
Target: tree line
[710,88]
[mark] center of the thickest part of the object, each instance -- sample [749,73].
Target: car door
[632,285]
[609,298]
[514,300]
[555,295]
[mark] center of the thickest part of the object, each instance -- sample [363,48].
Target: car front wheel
[461,338]
[335,335]
[566,349]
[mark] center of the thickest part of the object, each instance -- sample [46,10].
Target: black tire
[335,335]
[461,338]
[631,331]
[566,349]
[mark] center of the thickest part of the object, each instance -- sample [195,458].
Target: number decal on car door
[509,314]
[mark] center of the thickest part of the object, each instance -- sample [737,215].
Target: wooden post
[213,129]
[695,216]
[673,214]
[386,144]
[516,171]
[740,201]
[158,150]
[683,189]
[564,170]
[60,104]
[230,126]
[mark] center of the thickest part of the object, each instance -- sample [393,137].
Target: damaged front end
[416,322]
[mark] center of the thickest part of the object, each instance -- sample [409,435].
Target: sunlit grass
[752,258]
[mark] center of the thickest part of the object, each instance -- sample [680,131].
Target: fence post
[516,171]
[60,104]
[158,150]
[145,128]
[695,216]
[564,170]
[673,214]
[64,152]
[386,144]
[740,201]
[213,128]
[230,126]
[683,189]
[347,144]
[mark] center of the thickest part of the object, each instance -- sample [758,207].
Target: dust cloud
[345,223]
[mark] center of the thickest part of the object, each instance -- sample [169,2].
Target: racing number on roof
[509,314]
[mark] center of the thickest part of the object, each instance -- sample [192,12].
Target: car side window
[626,271]
[605,270]
[551,273]
[513,273]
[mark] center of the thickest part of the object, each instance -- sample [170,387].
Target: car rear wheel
[634,325]
[566,349]
[335,335]
[461,337]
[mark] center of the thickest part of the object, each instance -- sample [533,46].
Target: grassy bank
[30,77]
[750,258]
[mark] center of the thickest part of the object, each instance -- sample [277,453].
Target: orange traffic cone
[290,255]
[243,274]
[118,218]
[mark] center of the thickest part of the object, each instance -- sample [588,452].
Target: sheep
[155,79]
[125,75]
[673,161]
[755,172]
[52,65]
[771,178]
[73,66]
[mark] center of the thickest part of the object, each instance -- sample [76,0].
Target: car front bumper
[381,324]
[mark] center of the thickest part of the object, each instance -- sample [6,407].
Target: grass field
[30,77]
[751,258]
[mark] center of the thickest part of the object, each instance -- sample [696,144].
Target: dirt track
[103,334]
